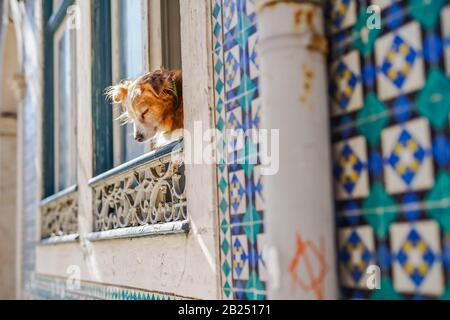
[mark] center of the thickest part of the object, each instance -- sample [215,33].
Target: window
[59,208]
[64,108]
[59,121]
[129,38]
[171,36]
[130,61]
[146,35]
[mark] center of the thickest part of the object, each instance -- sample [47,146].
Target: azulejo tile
[372,118]
[445,21]
[379,210]
[346,87]
[253,56]
[434,99]
[258,188]
[350,169]
[240,189]
[364,37]
[261,256]
[406,152]
[401,67]
[383,4]
[426,12]
[237,187]
[438,201]
[406,83]
[231,14]
[416,250]
[240,257]
[356,254]
[233,68]
[248,13]
[342,14]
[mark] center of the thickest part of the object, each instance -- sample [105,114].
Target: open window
[134,186]
[145,36]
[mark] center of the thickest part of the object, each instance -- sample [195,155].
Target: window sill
[175,227]
[70,238]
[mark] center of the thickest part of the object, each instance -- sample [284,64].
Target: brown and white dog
[153,103]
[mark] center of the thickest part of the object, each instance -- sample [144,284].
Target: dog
[153,103]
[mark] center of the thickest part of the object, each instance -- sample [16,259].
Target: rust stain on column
[308,76]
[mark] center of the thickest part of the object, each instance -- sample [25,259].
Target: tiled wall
[390,97]
[237,104]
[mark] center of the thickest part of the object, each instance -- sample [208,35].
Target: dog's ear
[158,80]
[118,93]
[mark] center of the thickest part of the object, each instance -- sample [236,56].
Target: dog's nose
[139,137]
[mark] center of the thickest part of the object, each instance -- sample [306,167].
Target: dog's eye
[143,114]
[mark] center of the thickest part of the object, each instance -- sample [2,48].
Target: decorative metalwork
[59,215]
[146,194]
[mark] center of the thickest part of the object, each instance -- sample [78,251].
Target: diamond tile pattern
[395,128]
[240,185]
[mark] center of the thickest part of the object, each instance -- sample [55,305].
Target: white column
[299,217]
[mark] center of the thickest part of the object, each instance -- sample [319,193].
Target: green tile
[372,118]
[440,192]
[379,200]
[434,99]
[386,292]
[426,11]
[364,37]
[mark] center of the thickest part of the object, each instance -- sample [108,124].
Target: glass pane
[171,36]
[64,113]
[132,63]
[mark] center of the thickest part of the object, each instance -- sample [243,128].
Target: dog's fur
[153,103]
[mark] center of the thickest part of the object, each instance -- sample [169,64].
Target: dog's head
[146,101]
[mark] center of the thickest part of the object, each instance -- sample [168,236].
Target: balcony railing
[59,216]
[144,196]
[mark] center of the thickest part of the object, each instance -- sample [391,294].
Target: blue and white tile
[343,14]
[400,63]
[262,267]
[253,55]
[233,68]
[383,4]
[237,187]
[240,257]
[350,169]
[230,15]
[416,252]
[356,254]
[258,188]
[407,155]
[347,93]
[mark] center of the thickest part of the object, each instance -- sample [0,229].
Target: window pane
[64,111]
[171,37]
[133,58]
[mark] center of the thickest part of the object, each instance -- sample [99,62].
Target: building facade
[357,93]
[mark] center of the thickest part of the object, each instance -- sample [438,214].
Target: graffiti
[309,261]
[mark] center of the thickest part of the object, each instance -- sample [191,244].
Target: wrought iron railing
[59,214]
[148,191]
